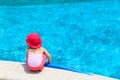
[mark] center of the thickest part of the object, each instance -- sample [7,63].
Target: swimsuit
[35,61]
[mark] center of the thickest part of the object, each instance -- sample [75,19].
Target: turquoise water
[84,36]
[39,2]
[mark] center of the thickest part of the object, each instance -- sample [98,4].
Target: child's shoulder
[42,48]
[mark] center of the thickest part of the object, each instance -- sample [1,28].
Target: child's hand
[47,63]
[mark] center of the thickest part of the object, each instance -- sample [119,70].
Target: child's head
[34,41]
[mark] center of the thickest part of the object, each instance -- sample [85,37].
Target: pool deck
[18,71]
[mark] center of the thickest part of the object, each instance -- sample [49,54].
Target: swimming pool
[84,36]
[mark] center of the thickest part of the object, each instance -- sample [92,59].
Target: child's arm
[27,50]
[47,54]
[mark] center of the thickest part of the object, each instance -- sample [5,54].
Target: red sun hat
[33,40]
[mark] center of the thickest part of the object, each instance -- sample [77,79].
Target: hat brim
[33,46]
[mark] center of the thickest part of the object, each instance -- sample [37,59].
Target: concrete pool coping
[18,71]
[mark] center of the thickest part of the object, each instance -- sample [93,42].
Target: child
[36,54]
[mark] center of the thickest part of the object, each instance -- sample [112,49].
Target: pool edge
[10,70]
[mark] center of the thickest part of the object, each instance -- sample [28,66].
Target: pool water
[84,36]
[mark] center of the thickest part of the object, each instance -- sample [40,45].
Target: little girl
[36,54]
